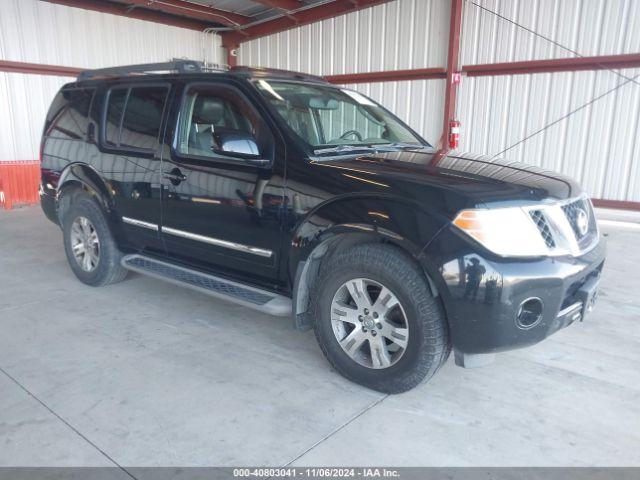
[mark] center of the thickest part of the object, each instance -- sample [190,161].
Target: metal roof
[237,21]
[253,11]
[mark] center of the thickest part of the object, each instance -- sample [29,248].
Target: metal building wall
[402,97]
[405,34]
[598,144]
[41,32]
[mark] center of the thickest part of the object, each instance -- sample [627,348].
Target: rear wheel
[376,319]
[85,244]
[91,250]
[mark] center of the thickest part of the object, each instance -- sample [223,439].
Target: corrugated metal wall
[399,35]
[402,97]
[41,32]
[597,145]
[589,27]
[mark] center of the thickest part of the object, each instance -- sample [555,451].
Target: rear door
[222,211]
[129,159]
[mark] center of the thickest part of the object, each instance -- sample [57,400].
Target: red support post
[231,51]
[453,56]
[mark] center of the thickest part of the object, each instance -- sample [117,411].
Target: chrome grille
[543,226]
[573,211]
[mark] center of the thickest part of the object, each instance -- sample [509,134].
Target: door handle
[175,176]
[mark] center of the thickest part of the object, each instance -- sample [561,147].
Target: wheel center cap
[368,322]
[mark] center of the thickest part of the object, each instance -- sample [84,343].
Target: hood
[475,180]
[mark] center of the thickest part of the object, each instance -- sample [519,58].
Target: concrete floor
[143,374]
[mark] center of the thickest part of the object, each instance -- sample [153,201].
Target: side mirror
[234,142]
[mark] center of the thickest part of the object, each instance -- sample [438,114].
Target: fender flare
[86,178]
[350,220]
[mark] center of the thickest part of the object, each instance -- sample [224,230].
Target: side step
[251,297]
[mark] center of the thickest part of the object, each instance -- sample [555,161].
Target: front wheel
[376,320]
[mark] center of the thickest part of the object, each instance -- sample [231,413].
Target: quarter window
[68,117]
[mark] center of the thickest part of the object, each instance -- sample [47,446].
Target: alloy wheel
[369,323]
[85,244]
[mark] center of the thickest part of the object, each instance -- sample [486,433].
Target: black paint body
[292,204]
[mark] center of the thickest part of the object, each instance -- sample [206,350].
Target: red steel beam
[303,17]
[453,55]
[536,66]
[192,10]
[606,62]
[388,76]
[125,11]
[38,69]
[281,4]
[616,204]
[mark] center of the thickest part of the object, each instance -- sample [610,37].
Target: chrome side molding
[140,223]
[261,252]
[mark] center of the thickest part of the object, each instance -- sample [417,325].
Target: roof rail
[276,72]
[175,65]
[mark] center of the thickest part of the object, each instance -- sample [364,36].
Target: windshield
[330,119]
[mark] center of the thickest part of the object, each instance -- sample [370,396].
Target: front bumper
[482,293]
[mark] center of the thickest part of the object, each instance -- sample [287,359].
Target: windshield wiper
[345,149]
[416,146]
[381,147]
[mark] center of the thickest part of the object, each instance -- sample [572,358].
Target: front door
[221,210]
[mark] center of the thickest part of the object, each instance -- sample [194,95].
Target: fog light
[529,313]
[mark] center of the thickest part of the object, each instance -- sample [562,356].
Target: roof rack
[175,65]
[276,72]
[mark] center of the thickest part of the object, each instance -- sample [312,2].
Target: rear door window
[134,116]
[115,109]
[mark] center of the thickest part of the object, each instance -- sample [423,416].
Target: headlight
[505,231]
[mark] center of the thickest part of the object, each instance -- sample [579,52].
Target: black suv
[292,196]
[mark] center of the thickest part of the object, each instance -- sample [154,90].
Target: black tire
[427,346]
[108,269]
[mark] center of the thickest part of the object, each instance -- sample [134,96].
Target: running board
[251,297]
